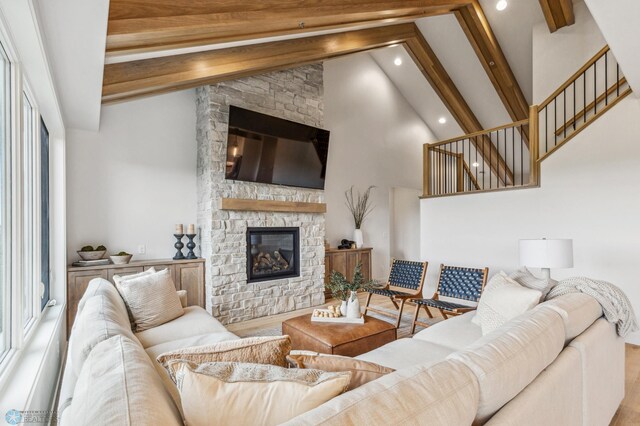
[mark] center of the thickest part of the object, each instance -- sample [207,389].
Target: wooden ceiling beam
[150,25]
[558,13]
[475,25]
[133,79]
[444,87]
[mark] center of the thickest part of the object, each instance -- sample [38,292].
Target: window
[5,203]
[45,266]
[29,191]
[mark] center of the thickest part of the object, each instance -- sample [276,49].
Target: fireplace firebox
[272,253]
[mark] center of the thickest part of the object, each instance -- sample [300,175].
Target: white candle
[179,229]
[191,229]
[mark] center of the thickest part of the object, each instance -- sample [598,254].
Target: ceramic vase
[357,238]
[353,307]
[343,308]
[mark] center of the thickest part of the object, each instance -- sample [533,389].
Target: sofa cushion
[226,393]
[525,278]
[361,371]
[502,300]
[151,299]
[508,359]
[118,386]
[99,320]
[404,353]
[271,350]
[442,394]
[578,311]
[100,286]
[203,339]
[455,333]
[194,322]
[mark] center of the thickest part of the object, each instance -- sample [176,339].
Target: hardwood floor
[628,413]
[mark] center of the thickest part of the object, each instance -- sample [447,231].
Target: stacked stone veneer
[294,95]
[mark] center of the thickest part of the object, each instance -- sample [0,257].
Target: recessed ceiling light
[501,5]
[476,164]
[398,61]
[442,120]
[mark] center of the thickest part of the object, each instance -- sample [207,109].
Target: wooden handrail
[480,133]
[577,74]
[590,106]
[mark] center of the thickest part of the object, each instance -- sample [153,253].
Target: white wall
[376,139]
[556,56]
[129,183]
[587,191]
[405,223]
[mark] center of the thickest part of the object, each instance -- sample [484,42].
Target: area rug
[403,331]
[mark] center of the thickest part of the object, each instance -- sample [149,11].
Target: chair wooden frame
[444,312]
[397,298]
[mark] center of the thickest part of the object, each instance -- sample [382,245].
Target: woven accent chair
[456,283]
[406,279]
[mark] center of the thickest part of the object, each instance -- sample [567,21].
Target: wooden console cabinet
[187,275]
[345,261]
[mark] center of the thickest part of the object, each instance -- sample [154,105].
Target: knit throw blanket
[615,304]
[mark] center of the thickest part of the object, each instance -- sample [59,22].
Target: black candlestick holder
[191,245]
[178,245]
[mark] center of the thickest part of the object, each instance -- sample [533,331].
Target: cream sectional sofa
[560,363]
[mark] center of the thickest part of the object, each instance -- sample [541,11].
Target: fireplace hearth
[272,253]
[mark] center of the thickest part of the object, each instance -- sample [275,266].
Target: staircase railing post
[459,173]
[426,170]
[534,145]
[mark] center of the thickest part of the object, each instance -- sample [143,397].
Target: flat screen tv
[266,149]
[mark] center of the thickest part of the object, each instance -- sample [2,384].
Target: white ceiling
[75,35]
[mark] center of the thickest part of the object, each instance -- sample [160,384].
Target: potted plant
[346,291]
[360,206]
[121,258]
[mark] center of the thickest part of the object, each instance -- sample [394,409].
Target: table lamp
[546,254]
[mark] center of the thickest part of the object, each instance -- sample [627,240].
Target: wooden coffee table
[338,339]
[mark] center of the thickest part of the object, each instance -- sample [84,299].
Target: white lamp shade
[545,253]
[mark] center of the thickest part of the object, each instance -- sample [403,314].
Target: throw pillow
[152,299]
[117,279]
[255,350]
[502,300]
[361,371]
[228,393]
[525,278]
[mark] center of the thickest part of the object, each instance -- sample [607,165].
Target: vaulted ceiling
[465,49]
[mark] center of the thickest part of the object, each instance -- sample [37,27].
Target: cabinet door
[365,258]
[77,283]
[352,261]
[172,272]
[123,272]
[327,268]
[190,277]
[339,262]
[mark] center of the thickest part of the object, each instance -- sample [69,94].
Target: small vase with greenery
[343,289]
[359,206]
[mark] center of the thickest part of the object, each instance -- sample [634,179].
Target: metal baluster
[546,130]
[564,107]
[584,96]
[617,79]
[555,120]
[490,161]
[522,155]
[504,137]
[475,138]
[574,105]
[513,153]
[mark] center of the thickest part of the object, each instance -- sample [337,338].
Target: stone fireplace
[279,285]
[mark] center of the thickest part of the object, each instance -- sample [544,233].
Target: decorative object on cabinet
[191,245]
[89,253]
[121,258]
[360,206]
[178,245]
[187,275]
